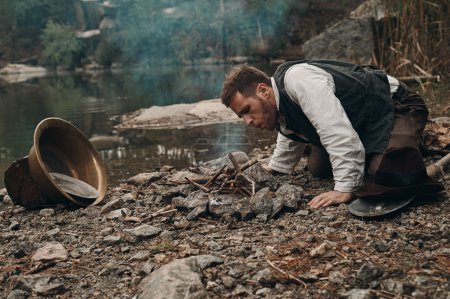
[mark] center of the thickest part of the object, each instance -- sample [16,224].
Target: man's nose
[248,119]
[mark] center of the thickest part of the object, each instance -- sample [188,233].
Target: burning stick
[251,182]
[223,185]
[241,188]
[216,175]
[236,182]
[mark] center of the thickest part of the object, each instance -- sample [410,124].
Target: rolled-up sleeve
[286,155]
[315,95]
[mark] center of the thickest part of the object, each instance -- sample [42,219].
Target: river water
[89,101]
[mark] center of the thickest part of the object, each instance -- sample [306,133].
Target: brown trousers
[410,117]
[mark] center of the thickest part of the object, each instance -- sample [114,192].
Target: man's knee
[319,162]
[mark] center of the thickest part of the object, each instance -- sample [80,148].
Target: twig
[253,188]
[383,293]
[237,168]
[226,190]
[132,219]
[166,208]
[215,176]
[446,108]
[248,164]
[72,234]
[158,214]
[40,267]
[243,191]
[287,274]
[197,185]
[340,254]
[226,181]
[252,183]
[244,166]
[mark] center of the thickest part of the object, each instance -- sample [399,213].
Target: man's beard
[272,114]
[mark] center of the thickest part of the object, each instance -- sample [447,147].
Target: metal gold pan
[21,187]
[74,187]
[59,147]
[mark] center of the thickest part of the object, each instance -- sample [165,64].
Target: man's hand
[330,198]
[274,172]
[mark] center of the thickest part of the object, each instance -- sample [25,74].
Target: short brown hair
[243,79]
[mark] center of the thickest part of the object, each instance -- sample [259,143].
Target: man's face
[258,110]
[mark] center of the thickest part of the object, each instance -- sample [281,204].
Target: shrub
[107,51]
[61,46]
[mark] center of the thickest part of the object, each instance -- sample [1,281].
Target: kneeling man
[352,120]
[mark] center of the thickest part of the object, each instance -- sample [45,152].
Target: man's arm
[313,89]
[286,155]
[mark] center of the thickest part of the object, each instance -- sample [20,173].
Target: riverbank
[148,237]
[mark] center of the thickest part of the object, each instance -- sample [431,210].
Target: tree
[61,46]
[22,22]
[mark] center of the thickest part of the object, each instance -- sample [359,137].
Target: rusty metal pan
[60,147]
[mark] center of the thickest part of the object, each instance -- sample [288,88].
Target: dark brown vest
[364,93]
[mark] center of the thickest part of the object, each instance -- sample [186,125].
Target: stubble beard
[272,115]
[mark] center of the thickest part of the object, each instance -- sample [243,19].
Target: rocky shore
[160,235]
[178,116]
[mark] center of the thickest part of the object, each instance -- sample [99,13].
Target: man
[350,115]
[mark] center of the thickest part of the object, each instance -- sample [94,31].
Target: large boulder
[16,73]
[179,116]
[13,69]
[352,39]
[349,40]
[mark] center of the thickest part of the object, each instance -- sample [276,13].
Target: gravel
[224,250]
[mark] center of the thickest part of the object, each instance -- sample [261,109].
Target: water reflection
[151,149]
[89,101]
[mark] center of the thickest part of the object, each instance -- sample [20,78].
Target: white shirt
[313,90]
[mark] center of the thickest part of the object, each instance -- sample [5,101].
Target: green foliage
[160,31]
[61,47]
[146,32]
[36,13]
[107,51]
[6,19]
[22,22]
[21,8]
[164,31]
[254,27]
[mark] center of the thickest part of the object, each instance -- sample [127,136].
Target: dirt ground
[302,252]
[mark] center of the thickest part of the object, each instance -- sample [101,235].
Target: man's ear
[263,90]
